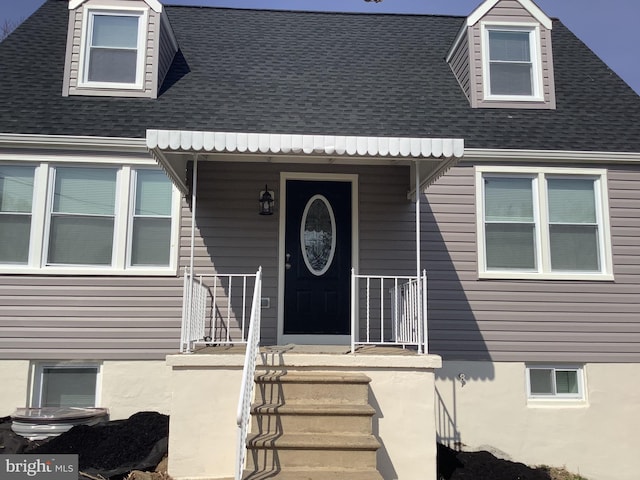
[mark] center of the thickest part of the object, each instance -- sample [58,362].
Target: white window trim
[536,60]
[38,372]
[578,399]
[83,64]
[543,262]
[40,218]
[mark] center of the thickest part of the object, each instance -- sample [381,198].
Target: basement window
[555,382]
[65,385]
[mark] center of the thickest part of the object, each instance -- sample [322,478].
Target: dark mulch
[453,465]
[116,447]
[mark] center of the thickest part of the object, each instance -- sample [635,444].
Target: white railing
[248,372]
[215,309]
[389,310]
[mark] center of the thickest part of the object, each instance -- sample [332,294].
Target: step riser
[283,459]
[333,424]
[310,393]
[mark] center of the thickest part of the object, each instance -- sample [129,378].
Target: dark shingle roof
[314,73]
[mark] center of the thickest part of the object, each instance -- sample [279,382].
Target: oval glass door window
[318,235]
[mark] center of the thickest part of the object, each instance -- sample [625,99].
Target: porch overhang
[172,149]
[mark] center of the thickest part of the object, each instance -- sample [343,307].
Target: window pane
[566,381]
[14,238]
[509,46]
[81,240]
[508,199]
[110,65]
[574,247]
[571,200]
[151,241]
[69,387]
[510,245]
[153,193]
[115,31]
[85,190]
[511,79]
[16,188]
[541,381]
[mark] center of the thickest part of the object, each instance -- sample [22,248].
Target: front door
[317,258]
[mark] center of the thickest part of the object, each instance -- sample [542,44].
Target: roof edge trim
[549,156]
[11,140]
[274,143]
[155,5]
[528,5]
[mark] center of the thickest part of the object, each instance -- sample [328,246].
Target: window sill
[130,272]
[557,403]
[593,277]
[513,98]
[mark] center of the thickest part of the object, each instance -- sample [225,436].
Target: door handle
[287,265]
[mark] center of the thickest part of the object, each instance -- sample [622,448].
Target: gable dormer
[502,56]
[117,48]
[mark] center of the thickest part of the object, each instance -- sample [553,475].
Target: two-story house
[463,186]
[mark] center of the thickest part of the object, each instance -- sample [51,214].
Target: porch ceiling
[174,148]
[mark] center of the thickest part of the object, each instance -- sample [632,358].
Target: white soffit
[528,5]
[155,5]
[273,143]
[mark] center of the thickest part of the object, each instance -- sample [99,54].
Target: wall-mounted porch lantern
[266,201]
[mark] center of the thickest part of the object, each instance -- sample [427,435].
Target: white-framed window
[74,218]
[543,223]
[512,62]
[555,382]
[16,202]
[113,48]
[66,384]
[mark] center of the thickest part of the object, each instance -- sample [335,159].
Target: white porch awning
[170,146]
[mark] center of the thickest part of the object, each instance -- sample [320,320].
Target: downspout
[421,334]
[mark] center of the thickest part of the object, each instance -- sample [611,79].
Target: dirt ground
[136,449]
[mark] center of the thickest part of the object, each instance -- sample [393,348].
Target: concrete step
[314,418]
[311,388]
[311,451]
[317,474]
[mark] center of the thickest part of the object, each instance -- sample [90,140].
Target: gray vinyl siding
[505,320]
[460,64]
[510,11]
[166,48]
[72,64]
[67,317]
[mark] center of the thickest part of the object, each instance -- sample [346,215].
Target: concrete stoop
[312,426]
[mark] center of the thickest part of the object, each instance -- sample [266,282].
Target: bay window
[535,223]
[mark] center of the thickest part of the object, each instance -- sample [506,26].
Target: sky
[608,27]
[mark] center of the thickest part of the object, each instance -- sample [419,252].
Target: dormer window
[512,69]
[117,48]
[114,49]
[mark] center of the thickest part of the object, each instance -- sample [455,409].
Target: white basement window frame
[555,382]
[519,62]
[66,384]
[534,212]
[94,45]
[59,216]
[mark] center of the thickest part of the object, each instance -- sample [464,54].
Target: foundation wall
[596,437]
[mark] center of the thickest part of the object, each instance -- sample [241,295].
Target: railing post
[353,310]
[424,312]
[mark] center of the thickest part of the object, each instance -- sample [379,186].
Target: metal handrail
[248,373]
[402,320]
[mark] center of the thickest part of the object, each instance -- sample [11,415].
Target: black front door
[317,258]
